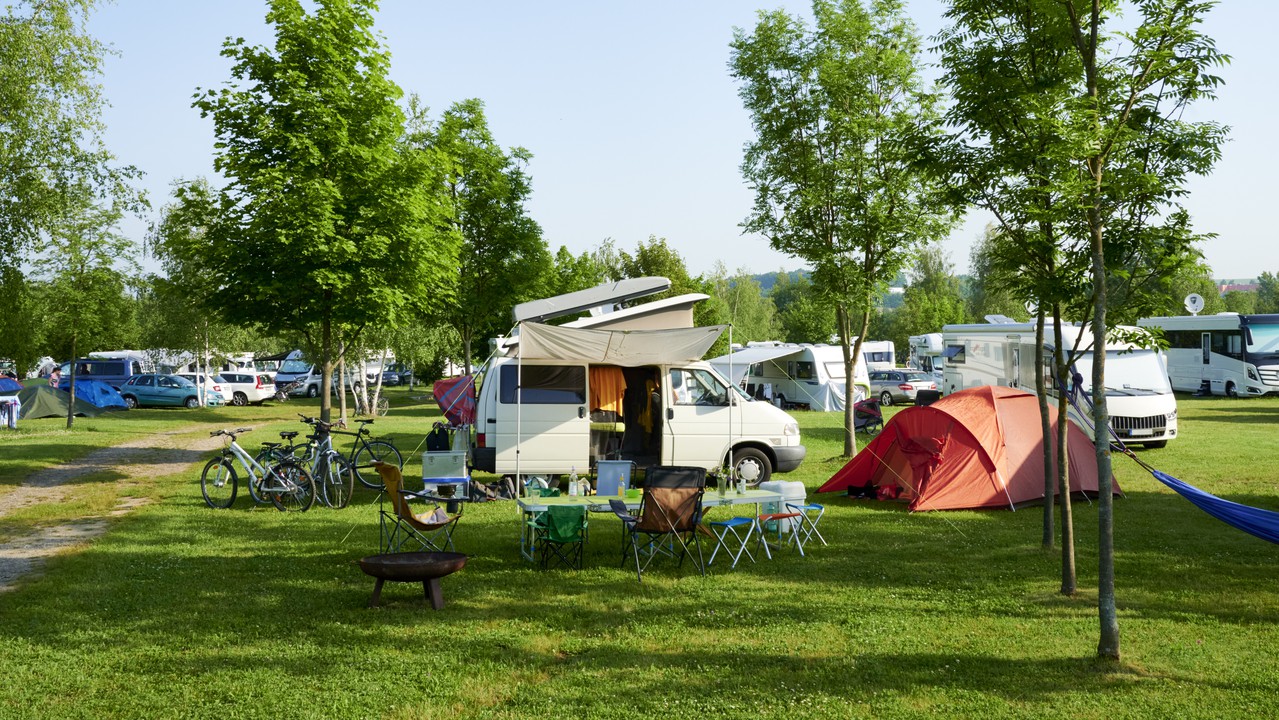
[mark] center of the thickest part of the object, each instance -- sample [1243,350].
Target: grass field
[183,611]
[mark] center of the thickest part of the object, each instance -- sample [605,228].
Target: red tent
[977,448]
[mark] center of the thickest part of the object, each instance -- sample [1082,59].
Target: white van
[1224,354]
[558,399]
[926,354]
[1143,409]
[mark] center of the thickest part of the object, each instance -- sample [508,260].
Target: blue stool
[808,520]
[733,527]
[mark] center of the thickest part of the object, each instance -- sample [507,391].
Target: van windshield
[1128,372]
[1263,339]
[295,367]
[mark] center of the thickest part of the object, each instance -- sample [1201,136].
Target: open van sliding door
[698,417]
[546,422]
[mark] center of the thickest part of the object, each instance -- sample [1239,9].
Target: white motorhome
[557,399]
[793,375]
[1225,354]
[926,354]
[1143,409]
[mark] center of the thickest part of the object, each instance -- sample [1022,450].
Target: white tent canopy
[743,359]
[625,348]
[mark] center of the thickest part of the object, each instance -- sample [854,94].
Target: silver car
[899,385]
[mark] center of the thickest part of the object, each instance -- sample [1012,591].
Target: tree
[803,316]
[52,129]
[1243,302]
[503,260]
[86,277]
[753,316]
[989,292]
[835,111]
[931,300]
[1268,293]
[329,216]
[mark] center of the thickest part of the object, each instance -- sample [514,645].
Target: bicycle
[366,452]
[285,483]
[336,478]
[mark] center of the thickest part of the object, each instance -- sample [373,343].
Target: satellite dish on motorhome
[1032,307]
[1194,303]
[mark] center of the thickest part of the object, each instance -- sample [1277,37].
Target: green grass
[182,611]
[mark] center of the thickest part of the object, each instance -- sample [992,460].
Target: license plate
[1141,431]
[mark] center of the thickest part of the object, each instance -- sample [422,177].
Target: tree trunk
[1069,577]
[71,372]
[1045,429]
[850,364]
[1108,645]
[326,368]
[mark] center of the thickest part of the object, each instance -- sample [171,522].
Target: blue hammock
[1254,521]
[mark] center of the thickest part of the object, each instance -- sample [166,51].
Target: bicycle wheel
[266,459]
[372,452]
[338,481]
[290,487]
[218,483]
[382,407]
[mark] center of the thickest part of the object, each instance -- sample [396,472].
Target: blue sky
[633,121]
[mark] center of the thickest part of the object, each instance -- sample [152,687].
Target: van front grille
[1153,422]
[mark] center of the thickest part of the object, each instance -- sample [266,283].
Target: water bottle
[572,483]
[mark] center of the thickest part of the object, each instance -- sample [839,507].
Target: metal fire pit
[424,567]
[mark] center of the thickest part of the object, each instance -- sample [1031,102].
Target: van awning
[743,359]
[626,348]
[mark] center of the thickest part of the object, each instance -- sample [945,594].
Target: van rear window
[545,384]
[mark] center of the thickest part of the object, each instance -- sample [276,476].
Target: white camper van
[557,399]
[1229,354]
[1143,409]
[793,375]
[926,354]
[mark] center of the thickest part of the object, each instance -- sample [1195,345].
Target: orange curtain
[608,385]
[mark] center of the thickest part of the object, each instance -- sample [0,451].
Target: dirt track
[150,456]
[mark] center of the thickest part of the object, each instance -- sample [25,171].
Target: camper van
[793,376]
[1225,354]
[926,354]
[1143,409]
[297,369]
[554,400]
[879,355]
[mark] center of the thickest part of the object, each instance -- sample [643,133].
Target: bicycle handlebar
[232,433]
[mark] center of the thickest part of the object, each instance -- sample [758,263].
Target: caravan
[554,400]
[1142,407]
[926,354]
[793,376]
[1225,354]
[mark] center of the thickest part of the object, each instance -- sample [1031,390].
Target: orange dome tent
[977,448]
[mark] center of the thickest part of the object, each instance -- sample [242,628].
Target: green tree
[931,300]
[836,110]
[1243,302]
[804,318]
[1268,293]
[990,292]
[753,316]
[329,216]
[51,107]
[503,260]
[86,274]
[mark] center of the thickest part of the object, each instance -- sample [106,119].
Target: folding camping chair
[560,532]
[670,511]
[399,525]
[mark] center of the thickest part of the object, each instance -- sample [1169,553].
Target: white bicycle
[272,477]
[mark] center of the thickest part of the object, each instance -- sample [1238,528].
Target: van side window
[545,384]
[803,370]
[697,387]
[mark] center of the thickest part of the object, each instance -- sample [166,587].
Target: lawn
[183,611]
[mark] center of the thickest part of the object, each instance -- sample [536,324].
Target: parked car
[212,386]
[156,389]
[899,385]
[244,387]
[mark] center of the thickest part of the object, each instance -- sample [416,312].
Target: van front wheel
[312,391]
[752,465]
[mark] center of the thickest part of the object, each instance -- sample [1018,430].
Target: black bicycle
[367,451]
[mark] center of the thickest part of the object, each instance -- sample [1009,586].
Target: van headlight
[1252,374]
[1172,416]
[790,429]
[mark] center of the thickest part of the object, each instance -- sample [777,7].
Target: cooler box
[610,475]
[792,492]
[444,474]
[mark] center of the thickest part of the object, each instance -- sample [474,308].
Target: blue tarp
[94,391]
[1254,521]
[9,386]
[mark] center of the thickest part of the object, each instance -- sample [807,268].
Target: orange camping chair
[400,525]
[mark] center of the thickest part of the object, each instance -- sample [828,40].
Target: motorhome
[554,400]
[296,369]
[926,354]
[794,376]
[1225,354]
[1143,409]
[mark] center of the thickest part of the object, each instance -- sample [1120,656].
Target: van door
[698,419]
[546,422]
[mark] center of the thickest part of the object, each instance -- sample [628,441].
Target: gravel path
[150,456]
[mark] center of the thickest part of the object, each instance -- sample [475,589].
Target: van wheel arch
[312,391]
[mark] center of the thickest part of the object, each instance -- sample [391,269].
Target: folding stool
[808,523]
[733,527]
